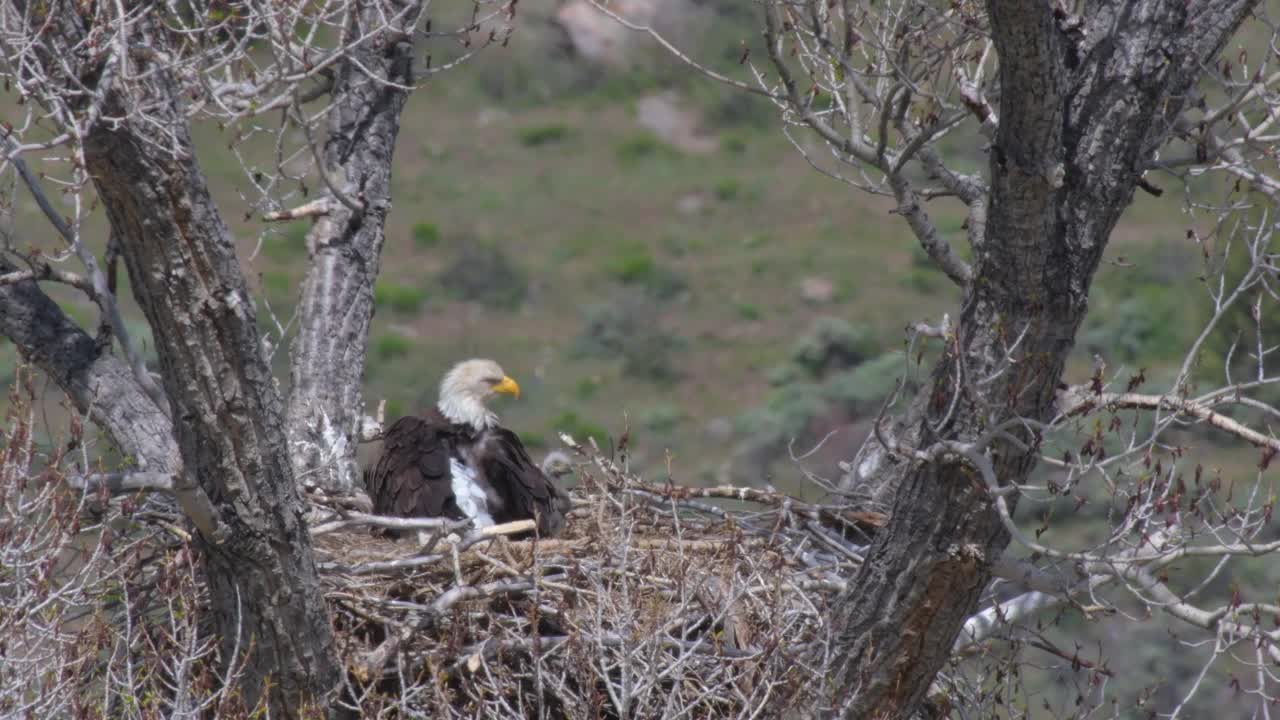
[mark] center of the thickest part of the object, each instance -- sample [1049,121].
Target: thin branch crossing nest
[658,601]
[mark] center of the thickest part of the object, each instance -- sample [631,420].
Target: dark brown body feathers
[411,475]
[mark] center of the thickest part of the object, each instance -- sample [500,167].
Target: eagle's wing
[526,491]
[411,477]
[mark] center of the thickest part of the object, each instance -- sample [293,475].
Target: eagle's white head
[467,386]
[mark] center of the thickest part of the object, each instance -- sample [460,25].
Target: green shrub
[829,374]
[1138,323]
[641,146]
[538,135]
[632,265]
[795,402]
[784,374]
[391,346]
[861,390]
[400,298]
[580,429]
[1142,314]
[733,143]
[727,189]
[635,265]
[922,280]
[786,414]
[748,311]
[534,439]
[834,344]
[586,388]
[426,235]
[628,328]
[483,273]
[662,418]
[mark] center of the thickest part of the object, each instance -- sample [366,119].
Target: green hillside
[621,279]
[693,295]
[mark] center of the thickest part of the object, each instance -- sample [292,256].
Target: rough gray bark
[1079,119]
[102,386]
[228,431]
[228,414]
[344,248]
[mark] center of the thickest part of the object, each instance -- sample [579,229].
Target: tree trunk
[1080,115]
[345,247]
[227,412]
[234,472]
[102,386]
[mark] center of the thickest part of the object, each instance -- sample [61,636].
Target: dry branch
[654,595]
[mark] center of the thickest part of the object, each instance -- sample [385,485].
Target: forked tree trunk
[344,249]
[227,413]
[100,384]
[235,475]
[1079,118]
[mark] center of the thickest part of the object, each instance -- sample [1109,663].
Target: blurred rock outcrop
[664,116]
[599,38]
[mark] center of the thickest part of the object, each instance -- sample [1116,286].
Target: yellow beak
[507,387]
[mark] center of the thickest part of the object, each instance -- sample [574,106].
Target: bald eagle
[456,461]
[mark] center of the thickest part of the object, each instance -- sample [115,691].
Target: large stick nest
[657,601]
